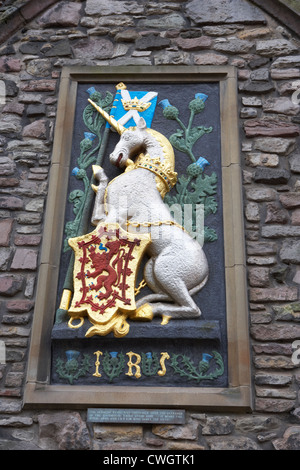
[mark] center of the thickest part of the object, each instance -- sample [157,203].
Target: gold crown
[159,168]
[136,104]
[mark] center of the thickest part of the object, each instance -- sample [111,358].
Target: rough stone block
[121,433]
[275,47]
[281,105]
[259,277]
[272,379]
[277,294]
[289,61]
[209,58]
[114,7]
[272,128]
[30,47]
[278,231]
[275,214]
[19,305]
[10,123]
[94,48]
[260,75]
[172,57]
[290,251]
[262,159]
[225,11]
[261,194]
[63,431]
[290,200]
[274,405]
[290,439]
[37,129]
[14,108]
[7,166]
[57,49]
[36,110]
[5,231]
[232,443]
[252,212]
[218,425]
[172,21]
[275,145]
[233,46]
[261,248]
[11,202]
[275,332]
[296,217]
[5,256]
[24,259]
[271,176]
[8,65]
[294,161]
[10,285]
[62,14]
[151,42]
[193,44]
[186,432]
[261,260]
[39,85]
[257,87]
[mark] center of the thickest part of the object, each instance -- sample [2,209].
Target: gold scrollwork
[97,363]
[131,364]
[164,356]
[70,324]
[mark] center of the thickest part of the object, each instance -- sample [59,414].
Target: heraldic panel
[141,297]
[146,298]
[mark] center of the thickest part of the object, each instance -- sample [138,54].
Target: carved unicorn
[177,267]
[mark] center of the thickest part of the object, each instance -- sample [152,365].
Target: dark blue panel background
[212,299]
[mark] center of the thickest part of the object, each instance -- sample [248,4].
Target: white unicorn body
[177,267]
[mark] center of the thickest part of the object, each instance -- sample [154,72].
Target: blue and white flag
[129,106]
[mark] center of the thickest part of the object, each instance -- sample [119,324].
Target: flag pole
[68,288]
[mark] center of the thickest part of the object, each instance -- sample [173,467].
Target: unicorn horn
[118,127]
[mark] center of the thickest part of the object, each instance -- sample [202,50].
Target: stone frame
[237,396]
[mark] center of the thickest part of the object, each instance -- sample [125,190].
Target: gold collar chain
[156,224]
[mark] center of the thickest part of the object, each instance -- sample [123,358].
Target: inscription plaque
[118,415]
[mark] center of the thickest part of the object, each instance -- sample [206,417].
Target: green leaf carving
[89,149]
[196,187]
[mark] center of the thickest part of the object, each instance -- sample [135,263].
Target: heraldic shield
[105,271]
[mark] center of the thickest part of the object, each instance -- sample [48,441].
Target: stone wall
[97,32]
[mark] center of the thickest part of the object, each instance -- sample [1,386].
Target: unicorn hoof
[143,313]
[165,319]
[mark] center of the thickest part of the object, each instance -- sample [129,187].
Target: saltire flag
[129,106]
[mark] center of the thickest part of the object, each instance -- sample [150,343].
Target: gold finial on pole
[121,86]
[118,127]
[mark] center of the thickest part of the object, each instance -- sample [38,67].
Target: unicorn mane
[166,177]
